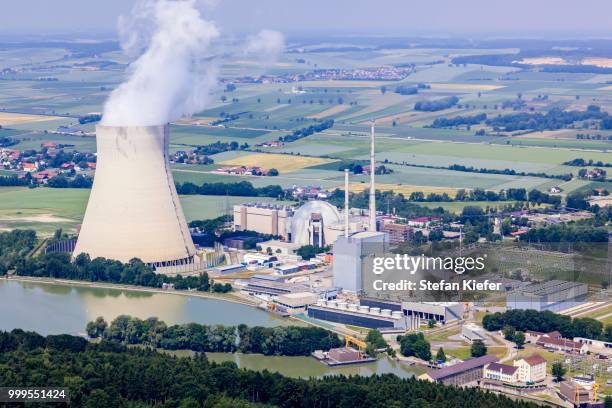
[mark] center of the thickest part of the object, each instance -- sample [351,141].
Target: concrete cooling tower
[134,210]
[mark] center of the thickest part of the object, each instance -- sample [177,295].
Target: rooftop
[503,368]
[462,367]
[534,359]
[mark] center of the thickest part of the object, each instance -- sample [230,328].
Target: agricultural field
[253,113]
[47,209]
[283,163]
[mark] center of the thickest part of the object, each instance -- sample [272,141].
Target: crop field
[282,162]
[9,119]
[260,112]
[405,189]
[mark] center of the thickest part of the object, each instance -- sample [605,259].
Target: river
[62,308]
[53,309]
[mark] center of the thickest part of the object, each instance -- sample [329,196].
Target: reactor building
[134,210]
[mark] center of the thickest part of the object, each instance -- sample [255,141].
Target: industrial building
[257,286]
[461,373]
[442,312]
[351,256]
[398,233]
[133,209]
[316,223]
[295,302]
[358,315]
[554,295]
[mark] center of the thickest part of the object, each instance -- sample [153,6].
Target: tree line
[241,189]
[16,245]
[583,163]
[108,374]
[547,321]
[281,341]
[307,131]
[436,105]
[459,121]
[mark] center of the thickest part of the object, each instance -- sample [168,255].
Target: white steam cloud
[174,73]
[265,45]
[173,76]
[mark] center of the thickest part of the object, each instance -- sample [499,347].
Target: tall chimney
[372,182]
[346,203]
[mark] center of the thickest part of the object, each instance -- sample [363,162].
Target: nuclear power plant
[134,210]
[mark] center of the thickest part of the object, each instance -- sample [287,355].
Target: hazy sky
[395,17]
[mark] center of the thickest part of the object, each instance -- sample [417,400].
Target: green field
[47,209]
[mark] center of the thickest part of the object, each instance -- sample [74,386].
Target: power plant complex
[134,210]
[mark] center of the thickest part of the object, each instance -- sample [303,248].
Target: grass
[47,209]
[282,162]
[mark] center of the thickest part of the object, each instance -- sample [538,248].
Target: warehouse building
[358,315]
[554,295]
[442,312]
[461,373]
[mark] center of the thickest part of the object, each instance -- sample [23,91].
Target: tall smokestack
[372,181]
[346,203]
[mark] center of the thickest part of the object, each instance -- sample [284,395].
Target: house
[531,369]
[29,167]
[423,222]
[501,372]
[555,190]
[44,175]
[561,344]
[48,145]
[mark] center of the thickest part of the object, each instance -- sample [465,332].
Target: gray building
[554,295]
[352,255]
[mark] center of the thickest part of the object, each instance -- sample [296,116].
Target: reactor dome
[313,211]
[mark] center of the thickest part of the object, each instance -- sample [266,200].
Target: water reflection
[305,367]
[52,309]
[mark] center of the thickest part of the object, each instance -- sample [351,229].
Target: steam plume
[173,76]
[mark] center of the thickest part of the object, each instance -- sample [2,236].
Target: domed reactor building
[134,210]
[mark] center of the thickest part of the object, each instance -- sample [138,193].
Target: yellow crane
[353,340]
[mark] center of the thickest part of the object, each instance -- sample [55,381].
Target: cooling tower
[134,210]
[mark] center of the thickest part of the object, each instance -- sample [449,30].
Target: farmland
[254,113]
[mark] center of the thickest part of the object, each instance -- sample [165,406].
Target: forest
[108,374]
[548,321]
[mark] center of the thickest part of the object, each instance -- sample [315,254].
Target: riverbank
[228,297]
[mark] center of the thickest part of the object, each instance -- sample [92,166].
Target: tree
[519,339]
[96,328]
[376,339]
[508,332]
[440,355]
[431,323]
[273,172]
[558,371]
[478,349]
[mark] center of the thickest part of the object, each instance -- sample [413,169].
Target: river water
[53,309]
